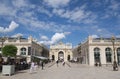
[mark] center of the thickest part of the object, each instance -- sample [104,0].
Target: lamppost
[115,66]
[2,43]
[79,53]
[2,40]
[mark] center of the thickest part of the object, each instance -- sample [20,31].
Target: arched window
[118,55]
[97,55]
[23,51]
[108,52]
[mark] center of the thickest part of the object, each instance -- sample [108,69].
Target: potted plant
[9,51]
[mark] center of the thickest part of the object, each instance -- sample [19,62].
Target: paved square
[76,71]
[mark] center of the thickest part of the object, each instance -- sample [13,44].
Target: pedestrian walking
[42,64]
[63,63]
[32,65]
[35,66]
[57,62]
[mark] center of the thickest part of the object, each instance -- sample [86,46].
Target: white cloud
[112,10]
[23,12]
[79,14]
[18,35]
[42,25]
[45,11]
[67,33]
[58,11]
[57,3]
[1,29]
[58,36]
[28,18]
[11,27]
[55,38]
[7,10]
[27,14]
[94,36]
[44,37]
[118,36]
[114,5]
[99,30]
[21,3]
[105,16]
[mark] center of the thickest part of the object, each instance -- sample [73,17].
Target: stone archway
[61,56]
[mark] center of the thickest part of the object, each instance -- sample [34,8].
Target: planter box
[8,69]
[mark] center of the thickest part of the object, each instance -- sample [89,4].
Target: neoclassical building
[27,47]
[95,50]
[61,51]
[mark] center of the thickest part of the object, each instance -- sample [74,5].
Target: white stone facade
[104,49]
[61,51]
[26,47]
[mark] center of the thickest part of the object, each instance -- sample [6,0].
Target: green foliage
[9,50]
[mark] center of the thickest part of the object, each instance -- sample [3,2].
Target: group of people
[35,65]
[63,63]
[98,64]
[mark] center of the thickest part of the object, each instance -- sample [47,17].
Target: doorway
[61,56]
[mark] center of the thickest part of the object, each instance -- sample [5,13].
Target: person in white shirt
[32,67]
[35,66]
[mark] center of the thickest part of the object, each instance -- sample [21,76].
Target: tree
[9,51]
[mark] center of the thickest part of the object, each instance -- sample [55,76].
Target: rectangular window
[29,50]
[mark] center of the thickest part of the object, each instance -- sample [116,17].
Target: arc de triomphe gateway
[61,51]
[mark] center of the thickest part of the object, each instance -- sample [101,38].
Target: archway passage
[68,58]
[61,56]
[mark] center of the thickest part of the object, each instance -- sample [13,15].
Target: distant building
[61,52]
[27,48]
[77,54]
[100,50]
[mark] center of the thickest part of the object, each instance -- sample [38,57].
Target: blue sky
[50,21]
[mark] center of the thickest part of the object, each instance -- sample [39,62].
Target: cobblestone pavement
[69,71]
